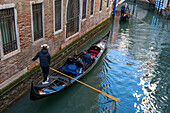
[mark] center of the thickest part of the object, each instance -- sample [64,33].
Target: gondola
[124,18]
[59,82]
[125,13]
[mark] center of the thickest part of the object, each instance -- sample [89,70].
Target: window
[84,9]
[72,26]
[37,21]
[92,7]
[101,3]
[8,31]
[107,3]
[57,15]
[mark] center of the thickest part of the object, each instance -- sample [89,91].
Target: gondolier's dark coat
[44,57]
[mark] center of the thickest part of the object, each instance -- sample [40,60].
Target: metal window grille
[37,21]
[107,3]
[72,18]
[101,3]
[84,9]
[92,7]
[57,15]
[7,29]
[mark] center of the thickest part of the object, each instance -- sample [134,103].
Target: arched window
[72,18]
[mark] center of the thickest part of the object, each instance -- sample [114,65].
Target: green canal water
[135,68]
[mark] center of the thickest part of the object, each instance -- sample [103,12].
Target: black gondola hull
[34,95]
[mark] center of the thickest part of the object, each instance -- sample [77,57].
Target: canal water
[135,68]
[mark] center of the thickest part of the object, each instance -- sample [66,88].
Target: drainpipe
[114,7]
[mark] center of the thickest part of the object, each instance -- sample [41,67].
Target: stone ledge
[13,78]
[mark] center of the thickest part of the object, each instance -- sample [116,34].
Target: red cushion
[94,51]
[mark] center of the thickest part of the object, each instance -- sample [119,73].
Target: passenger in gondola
[73,65]
[69,60]
[86,59]
[79,63]
[44,58]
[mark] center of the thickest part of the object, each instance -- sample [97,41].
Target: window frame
[86,10]
[107,5]
[8,55]
[60,30]
[93,8]
[101,5]
[66,21]
[32,24]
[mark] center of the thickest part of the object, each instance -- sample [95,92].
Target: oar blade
[114,98]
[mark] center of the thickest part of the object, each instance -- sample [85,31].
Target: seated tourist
[69,60]
[73,65]
[87,58]
[79,63]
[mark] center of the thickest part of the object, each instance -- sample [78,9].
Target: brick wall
[28,49]
[98,17]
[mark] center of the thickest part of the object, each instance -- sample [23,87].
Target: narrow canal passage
[135,68]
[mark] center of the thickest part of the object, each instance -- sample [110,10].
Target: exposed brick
[16,63]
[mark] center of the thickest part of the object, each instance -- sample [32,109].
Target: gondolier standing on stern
[44,58]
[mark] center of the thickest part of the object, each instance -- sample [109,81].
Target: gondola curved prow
[33,94]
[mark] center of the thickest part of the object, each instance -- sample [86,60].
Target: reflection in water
[155,82]
[148,50]
[159,22]
[111,108]
[135,68]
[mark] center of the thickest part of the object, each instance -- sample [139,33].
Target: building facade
[26,24]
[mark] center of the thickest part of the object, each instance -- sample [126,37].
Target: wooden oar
[114,98]
[138,18]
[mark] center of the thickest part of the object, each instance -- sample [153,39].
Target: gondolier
[44,58]
[125,12]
